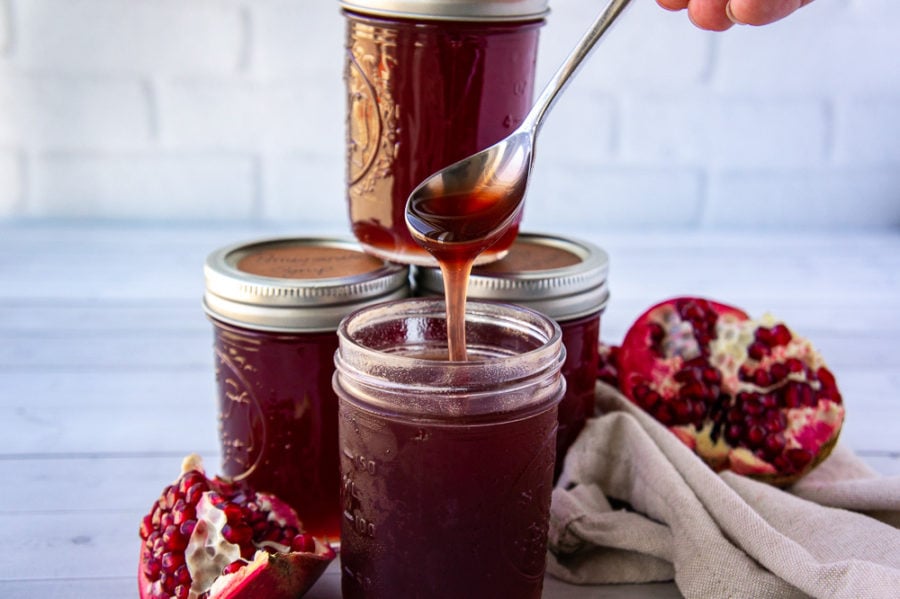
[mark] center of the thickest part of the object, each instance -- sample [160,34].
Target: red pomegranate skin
[747,395]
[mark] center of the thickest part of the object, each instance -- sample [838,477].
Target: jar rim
[518,355]
[452,10]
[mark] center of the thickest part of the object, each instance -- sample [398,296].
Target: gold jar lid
[297,284]
[452,10]
[561,277]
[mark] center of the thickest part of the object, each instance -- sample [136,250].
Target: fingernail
[730,14]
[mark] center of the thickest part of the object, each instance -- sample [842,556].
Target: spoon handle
[535,117]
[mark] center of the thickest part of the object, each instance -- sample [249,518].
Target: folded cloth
[634,504]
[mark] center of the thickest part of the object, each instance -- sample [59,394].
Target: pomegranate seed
[733,433]
[663,413]
[798,457]
[753,406]
[778,371]
[173,539]
[775,420]
[756,435]
[153,536]
[234,566]
[699,412]
[683,409]
[167,520]
[303,543]
[164,498]
[168,583]
[794,365]
[711,375]
[182,591]
[189,479]
[181,513]
[781,335]
[187,528]
[693,390]
[640,391]
[194,492]
[758,350]
[171,560]
[764,335]
[761,378]
[829,386]
[172,496]
[797,395]
[183,575]
[238,534]
[273,534]
[774,444]
[233,513]
[152,569]
[146,527]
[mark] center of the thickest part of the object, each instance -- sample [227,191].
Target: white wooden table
[106,370]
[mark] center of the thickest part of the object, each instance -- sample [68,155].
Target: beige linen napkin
[633,504]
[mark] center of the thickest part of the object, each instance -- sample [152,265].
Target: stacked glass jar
[334,387]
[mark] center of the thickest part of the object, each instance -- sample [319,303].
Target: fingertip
[709,16]
[761,13]
[730,14]
[673,5]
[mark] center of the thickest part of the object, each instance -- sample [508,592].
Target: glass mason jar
[565,279]
[447,467]
[429,82]
[275,305]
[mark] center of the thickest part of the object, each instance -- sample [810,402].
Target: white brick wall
[234,110]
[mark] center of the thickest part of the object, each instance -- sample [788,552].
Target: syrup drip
[455,229]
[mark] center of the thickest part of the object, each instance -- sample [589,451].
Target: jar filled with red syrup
[275,305]
[565,279]
[429,82]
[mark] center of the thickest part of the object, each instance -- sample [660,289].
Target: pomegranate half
[208,538]
[747,395]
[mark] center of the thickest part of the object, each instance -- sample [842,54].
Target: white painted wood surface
[106,370]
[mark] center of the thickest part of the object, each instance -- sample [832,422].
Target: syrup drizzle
[455,229]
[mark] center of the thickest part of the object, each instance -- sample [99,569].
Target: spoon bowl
[476,198]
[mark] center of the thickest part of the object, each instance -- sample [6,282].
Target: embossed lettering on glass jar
[447,467]
[429,82]
[275,305]
[566,279]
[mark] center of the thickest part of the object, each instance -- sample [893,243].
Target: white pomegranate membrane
[209,538]
[746,395]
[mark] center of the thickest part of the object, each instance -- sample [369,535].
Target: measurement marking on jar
[361,462]
[363,581]
[363,526]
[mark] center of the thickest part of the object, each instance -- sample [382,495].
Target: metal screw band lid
[452,10]
[562,278]
[297,284]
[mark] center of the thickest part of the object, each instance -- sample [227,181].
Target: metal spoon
[498,174]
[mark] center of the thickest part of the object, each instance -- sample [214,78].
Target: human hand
[719,15]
